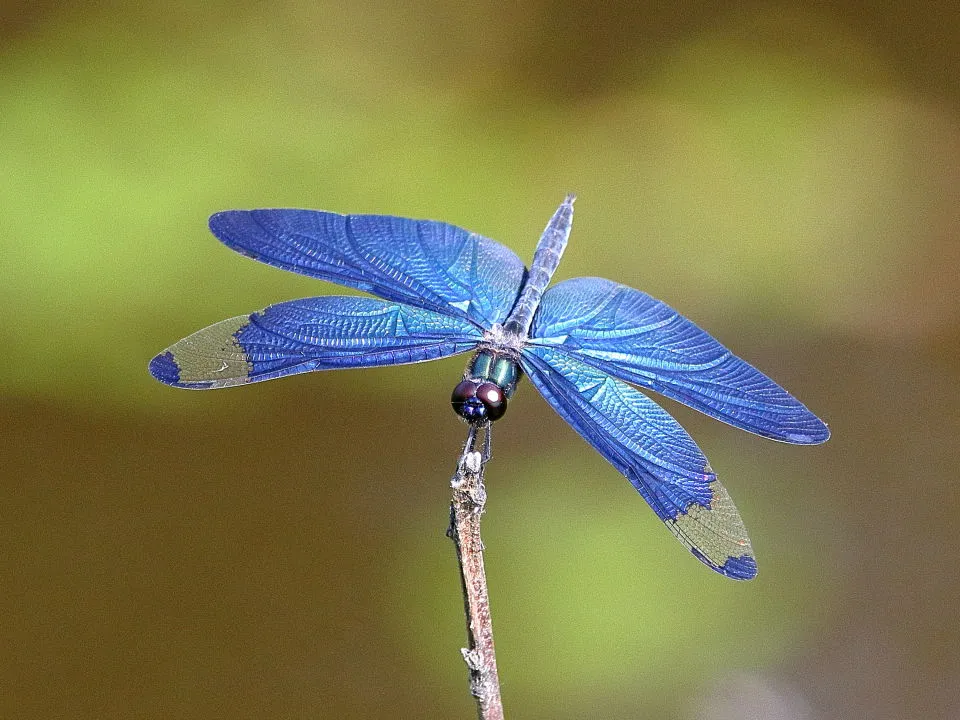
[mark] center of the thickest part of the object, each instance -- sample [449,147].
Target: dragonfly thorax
[487,384]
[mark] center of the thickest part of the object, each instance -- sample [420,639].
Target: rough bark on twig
[466,507]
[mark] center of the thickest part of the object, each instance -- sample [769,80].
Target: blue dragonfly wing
[657,456]
[322,333]
[636,338]
[423,263]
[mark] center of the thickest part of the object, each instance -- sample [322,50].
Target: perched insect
[447,291]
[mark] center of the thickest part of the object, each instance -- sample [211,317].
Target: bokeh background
[786,174]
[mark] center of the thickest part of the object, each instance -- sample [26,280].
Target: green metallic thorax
[501,370]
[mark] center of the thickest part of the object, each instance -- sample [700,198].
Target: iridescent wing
[323,333]
[636,338]
[423,263]
[655,454]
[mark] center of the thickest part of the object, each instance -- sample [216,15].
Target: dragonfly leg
[471,439]
[487,435]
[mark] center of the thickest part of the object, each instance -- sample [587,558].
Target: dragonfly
[587,344]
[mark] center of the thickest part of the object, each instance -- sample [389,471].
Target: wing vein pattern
[644,443]
[423,263]
[633,337]
[322,333]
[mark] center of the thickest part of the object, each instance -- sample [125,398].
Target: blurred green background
[785,174]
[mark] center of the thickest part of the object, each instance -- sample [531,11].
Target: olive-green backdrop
[785,174]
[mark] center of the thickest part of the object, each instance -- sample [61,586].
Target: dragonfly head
[479,402]
[489,381]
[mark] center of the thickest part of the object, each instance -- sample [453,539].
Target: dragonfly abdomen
[545,261]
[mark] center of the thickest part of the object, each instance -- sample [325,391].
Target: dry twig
[466,508]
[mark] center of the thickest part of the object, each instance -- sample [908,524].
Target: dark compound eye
[478,402]
[493,399]
[465,402]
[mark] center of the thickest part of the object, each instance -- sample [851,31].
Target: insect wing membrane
[657,456]
[636,338]
[322,333]
[423,263]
